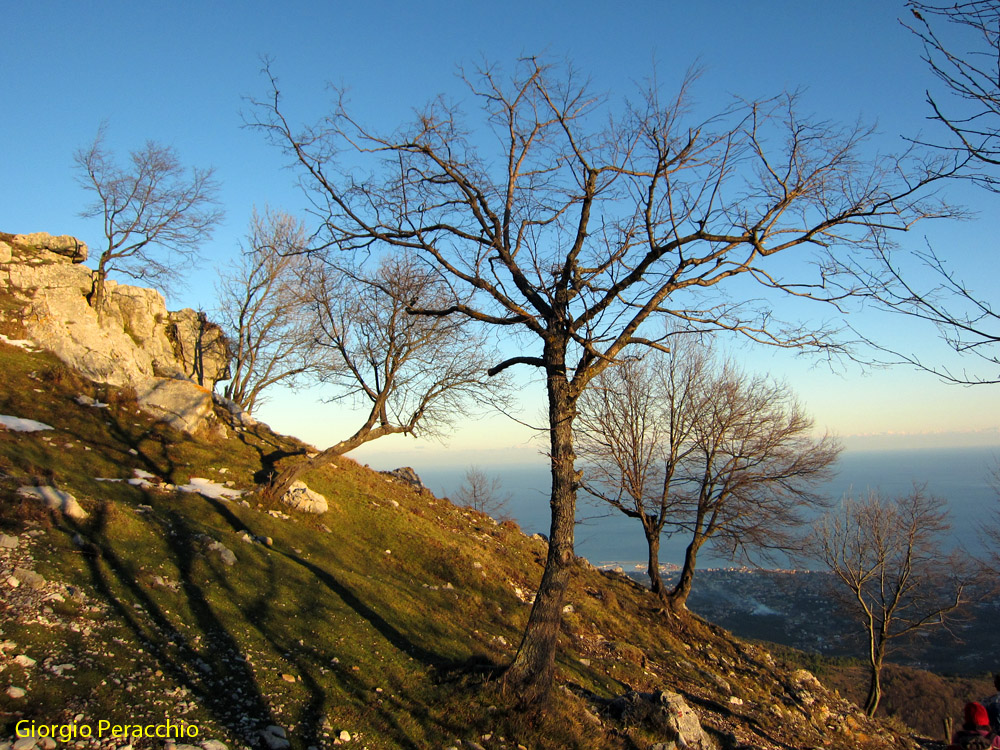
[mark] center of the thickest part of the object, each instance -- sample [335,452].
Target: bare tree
[888,557]
[703,450]
[483,493]
[635,431]
[154,212]
[264,306]
[575,223]
[413,374]
[752,473]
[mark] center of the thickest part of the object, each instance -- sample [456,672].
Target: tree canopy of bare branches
[635,431]
[264,307]
[483,492]
[574,221]
[701,449]
[888,557]
[154,211]
[961,42]
[412,374]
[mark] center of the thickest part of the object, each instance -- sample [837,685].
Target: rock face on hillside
[172,359]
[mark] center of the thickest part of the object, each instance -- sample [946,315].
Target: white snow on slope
[18,424]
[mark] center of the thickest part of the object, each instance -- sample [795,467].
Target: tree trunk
[678,597]
[874,691]
[531,674]
[653,568]
[98,289]
[875,681]
[275,489]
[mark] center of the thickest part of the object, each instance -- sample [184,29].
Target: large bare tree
[413,375]
[264,306]
[574,221]
[155,213]
[889,557]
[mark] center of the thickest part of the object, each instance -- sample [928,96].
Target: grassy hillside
[384,618]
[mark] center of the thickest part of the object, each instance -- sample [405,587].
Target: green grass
[323,630]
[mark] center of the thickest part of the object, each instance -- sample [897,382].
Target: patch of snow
[211,489]
[18,424]
[25,344]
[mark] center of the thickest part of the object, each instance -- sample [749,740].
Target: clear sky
[178,73]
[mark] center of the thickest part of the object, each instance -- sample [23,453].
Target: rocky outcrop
[407,475]
[63,245]
[172,359]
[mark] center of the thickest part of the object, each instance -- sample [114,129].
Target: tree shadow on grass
[217,674]
[308,658]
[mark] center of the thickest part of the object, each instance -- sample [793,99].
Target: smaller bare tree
[635,433]
[887,556]
[264,307]
[414,374]
[483,492]
[152,211]
[691,447]
[752,476]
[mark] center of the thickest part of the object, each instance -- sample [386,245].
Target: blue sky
[178,73]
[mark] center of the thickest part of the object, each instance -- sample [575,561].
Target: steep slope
[378,624]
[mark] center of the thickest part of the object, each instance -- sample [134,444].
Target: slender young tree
[264,307]
[574,222]
[483,493]
[889,559]
[690,447]
[155,213]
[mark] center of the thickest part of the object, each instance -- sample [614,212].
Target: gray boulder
[665,713]
[405,474]
[182,404]
[301,498]
[56,500]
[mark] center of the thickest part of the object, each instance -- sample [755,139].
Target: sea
[961,477]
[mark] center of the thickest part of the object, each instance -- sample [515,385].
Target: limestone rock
[303,499]
[135,338]
[666,713]
[5,252]
[274,738]
[63,245]
[15,692]
[405,474]
[225,554]
[8,542]
[182,404]
[56,500]
[29,578]
[199,345]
